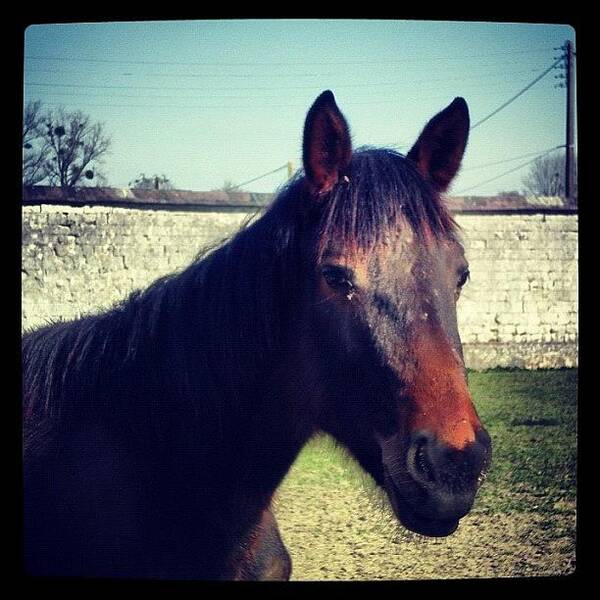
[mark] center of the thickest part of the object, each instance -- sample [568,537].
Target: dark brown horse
[156,434]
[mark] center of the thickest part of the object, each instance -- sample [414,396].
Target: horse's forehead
[404,249]
[388,247]
[398,254]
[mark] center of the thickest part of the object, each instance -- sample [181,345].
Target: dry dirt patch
[339,533]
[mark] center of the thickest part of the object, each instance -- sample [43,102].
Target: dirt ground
[341,533]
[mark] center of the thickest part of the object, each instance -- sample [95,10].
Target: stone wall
[519,309]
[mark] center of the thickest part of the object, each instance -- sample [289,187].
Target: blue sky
[208,101]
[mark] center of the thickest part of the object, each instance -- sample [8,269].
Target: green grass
[531,417]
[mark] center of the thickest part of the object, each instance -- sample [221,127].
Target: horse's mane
[180,350]
[196,344]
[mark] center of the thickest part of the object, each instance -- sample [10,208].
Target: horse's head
[387,270]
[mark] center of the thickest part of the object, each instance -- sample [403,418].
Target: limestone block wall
[79,260]
[519,309]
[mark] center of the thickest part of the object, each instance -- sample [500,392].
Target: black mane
[206,333]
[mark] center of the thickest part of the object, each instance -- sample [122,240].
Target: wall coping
[191,200]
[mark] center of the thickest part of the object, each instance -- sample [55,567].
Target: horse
[156,433]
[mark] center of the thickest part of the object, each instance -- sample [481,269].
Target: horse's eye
[464,277]
[338,278]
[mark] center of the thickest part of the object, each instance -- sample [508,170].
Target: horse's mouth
[413,520]
[424,525]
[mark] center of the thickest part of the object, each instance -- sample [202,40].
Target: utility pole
[569,83]
[570,130]
[290,169]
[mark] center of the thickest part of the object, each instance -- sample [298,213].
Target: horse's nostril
[418,459]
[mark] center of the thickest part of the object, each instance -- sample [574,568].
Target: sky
[209,101]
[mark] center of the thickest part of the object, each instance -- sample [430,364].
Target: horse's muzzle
[432,485]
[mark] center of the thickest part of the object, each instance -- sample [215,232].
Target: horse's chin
[412,520]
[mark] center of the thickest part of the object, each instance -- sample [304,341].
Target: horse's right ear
[326,147]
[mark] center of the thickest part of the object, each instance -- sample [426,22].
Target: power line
[186,75]
[235,93]
[86,104]
[180,96]
[278,63]
[500,162]
[493,74]
[259,177]
[517,95]
[506,172]
[178,106]
[229,88]
[162,87]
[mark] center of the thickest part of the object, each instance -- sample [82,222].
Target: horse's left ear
[326,147]
[441,145]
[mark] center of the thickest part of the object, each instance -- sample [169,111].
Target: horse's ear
[441,145]
[326,147]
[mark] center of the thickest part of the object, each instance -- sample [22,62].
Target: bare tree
[546,176]
[36,148]
[76,146]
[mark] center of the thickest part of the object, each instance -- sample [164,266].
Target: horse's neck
[250,375]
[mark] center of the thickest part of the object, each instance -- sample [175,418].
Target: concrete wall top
[190,200]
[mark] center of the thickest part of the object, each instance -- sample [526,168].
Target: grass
[531,417]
